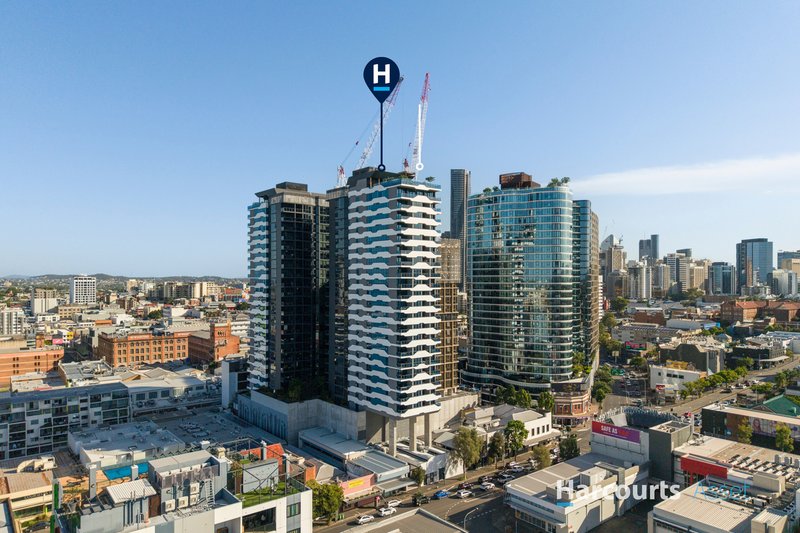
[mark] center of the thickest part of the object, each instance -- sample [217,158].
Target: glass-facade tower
[532,280]
[753,262]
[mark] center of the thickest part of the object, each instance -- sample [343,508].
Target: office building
[721,278]
[83,290]
[787,254]
[532,268]
[12,321]
[136,349]
[753,262]
[648,249]
[43,301]
[662,280]
[459,195]
[448,295]
[782,282]
[288,264]
[678,271]
[394,324]
[687,252]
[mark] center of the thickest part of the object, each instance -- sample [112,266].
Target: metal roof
[184,460]
[131,490]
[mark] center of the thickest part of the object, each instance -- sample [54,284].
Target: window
[292,510]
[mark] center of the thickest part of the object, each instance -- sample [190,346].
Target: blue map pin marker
[381,75]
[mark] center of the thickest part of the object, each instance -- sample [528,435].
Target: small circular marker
[381,167]
[420,166]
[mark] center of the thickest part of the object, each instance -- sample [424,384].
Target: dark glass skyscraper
[722,278]
[288,263]
[533,285]
[459,195]
[753,262]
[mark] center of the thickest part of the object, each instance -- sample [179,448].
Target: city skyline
[168,127]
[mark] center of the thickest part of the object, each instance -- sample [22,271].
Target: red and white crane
[419,135]
[388,105]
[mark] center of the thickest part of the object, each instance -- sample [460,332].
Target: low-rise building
[29,497]
[703,352]
[494,418]
[213,345]
[134,442]
[642,334]
[15,362]
[673,376]
[135,349]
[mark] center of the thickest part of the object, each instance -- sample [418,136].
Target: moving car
[441,494]
[393,503]
[387,511]
[364,518]
[464,494]
[487,485]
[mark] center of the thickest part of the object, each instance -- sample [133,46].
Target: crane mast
[422,112]
[388,105]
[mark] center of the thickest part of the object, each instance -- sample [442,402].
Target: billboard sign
[618,432]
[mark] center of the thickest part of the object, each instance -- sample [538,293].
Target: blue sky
[134,134]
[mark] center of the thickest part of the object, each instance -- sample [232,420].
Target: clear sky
[134,134]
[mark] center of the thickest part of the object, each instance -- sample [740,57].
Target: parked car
[464,494]
[487,485]
[393,503]
[420,500]
[517,469]
[364,518]
[387,511]
[502,478]
[441,494]
[465,485]
[484,479]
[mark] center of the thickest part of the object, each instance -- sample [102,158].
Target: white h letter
[376,73]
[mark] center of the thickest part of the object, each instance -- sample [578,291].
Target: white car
[464,494]
[517,469]
[387,511]
[393,503]
[364,518]
[487,485]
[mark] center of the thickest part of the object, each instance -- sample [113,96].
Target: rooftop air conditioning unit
[194,488]
[193,499]
[168,505]
[183,502]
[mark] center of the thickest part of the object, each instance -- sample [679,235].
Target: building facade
[459,196]
[288,265]
[136,349]
[722,278]
[83,290]
[753,262]
[12,321]
[648,249]
[393,270]
[213,345]
[43,301]
[532,283]
[15,362]
[450,280]
[337,294]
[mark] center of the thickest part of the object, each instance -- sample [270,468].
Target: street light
[466,515]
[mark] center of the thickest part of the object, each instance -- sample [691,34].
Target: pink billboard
[618,432]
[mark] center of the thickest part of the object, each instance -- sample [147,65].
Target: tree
[497,447]
[781,380]
[744,432]
[466,448]
[546,401]
[619,304]
[541,457]
[295,390]
[783,438]
[748,362]
[155,315]
[639,362]
[600,395]
[568,448]
[418,475]
[522,398]
[327,499]
[242,306]
[515,433]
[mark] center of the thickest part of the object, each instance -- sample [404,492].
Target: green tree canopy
[467,447]
[418,475]
[515,433]
[619,304]
[783,438]
[546,401]
[327,499]
[497,447]
[744,432]
[541,457]
[568,448]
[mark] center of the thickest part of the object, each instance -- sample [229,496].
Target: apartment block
[14,362]
[83,290]
[12,321]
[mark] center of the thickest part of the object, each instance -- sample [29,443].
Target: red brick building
[213,345]
[18,361]
[142,348]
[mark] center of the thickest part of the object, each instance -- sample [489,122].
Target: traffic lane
[451,508]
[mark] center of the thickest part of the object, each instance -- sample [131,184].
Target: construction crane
[387,109]
[422,112]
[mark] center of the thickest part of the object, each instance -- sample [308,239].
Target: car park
[365,518]
[441,494]
[464,494]
[387,511]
